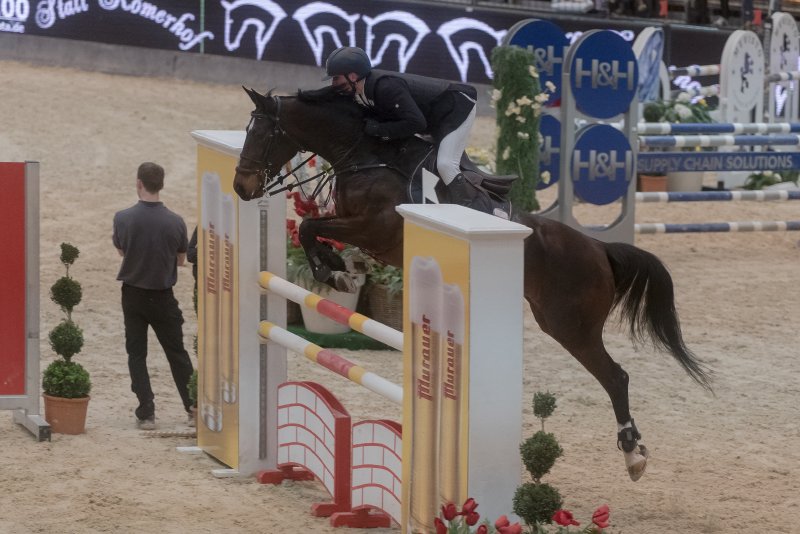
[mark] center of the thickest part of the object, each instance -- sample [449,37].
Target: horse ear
[252,94]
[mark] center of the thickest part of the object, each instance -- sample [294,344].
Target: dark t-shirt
[151,237]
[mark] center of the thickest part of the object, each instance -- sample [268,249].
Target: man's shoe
[146,424]
[459,191]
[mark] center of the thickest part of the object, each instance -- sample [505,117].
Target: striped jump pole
[746,226]
[695,70]
[719,196]
[778,77]
[358,322]
[331,361]
[706,90]
[678,141]
[666,128]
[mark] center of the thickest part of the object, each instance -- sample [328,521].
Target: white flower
[541,98]
[521,119]
[683,111]
[512,109]
[541,138]
[532,71]
[683,97]
[545,176]
[537,110]
[523,135]
[496,94]
[506,153]
[550,86]
[767,173]
[524,101]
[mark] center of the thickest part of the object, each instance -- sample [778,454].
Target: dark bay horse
[571,282]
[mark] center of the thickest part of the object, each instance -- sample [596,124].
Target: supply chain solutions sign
[445,41]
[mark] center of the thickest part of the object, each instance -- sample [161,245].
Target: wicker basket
[385,308]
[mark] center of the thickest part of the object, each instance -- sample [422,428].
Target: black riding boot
[459,191]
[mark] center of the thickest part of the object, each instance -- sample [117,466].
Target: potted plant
[66,384]
[385,294]
[683,109]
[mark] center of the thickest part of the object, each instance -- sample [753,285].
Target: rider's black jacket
[406,104]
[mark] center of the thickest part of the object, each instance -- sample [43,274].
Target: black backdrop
[305,32]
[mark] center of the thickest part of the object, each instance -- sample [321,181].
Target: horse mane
[330,98]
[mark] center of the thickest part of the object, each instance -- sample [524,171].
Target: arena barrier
[19,285]
[448,449]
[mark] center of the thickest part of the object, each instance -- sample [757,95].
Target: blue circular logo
[602,164]
[549,151]
[603,74]
[548,43]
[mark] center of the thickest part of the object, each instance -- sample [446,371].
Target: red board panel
[12,278]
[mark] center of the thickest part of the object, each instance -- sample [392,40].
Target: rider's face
[341,83]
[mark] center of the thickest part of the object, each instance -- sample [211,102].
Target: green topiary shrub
[539,454]
[63,377]
[536,503]
[66,379]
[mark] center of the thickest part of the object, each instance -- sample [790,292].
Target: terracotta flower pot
[66,416]
[649,183]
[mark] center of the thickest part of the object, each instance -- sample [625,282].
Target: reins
[264,167]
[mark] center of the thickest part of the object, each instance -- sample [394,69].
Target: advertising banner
[444,41]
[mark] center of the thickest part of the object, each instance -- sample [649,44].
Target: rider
[406,104]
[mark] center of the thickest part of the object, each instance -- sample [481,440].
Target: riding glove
[371,127]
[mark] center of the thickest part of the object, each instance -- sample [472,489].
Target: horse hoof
[345,282]
[636,462]
[356,266]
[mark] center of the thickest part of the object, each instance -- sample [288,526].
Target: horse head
[266,147]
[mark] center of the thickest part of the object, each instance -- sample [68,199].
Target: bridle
[263,168]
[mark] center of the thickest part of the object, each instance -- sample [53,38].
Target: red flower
[600,516]
[469,506]
[504,526]
[441,528]
[472,518]
[483,529]
[564,518]
[291,224]
[449,511]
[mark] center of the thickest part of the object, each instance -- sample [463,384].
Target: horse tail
[645,298]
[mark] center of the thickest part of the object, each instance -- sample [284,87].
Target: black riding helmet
[345,60]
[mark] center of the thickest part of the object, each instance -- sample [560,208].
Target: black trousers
[158,309]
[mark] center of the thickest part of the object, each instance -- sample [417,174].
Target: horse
[572,282]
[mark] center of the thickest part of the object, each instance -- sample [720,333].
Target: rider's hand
[371,127]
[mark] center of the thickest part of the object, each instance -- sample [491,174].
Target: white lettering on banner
[176,25]
[628,35]
[48,11]
[14,10]
[263,33]
[11,27]
[405,50]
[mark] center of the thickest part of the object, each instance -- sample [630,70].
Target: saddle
[491,192]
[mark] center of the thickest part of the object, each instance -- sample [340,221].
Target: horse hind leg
[594,357]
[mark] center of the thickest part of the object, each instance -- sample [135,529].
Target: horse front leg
[326,265]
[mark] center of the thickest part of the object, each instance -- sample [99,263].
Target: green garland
[517,99]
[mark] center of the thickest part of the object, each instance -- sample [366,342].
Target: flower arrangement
[762,179]
[454,521]
[683,109]
[515,81]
